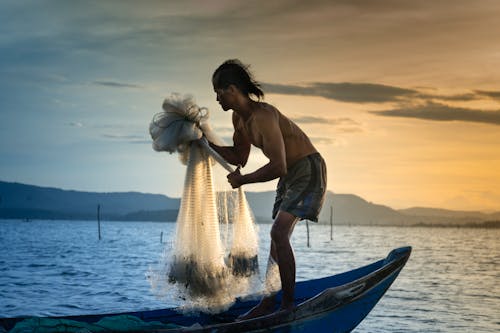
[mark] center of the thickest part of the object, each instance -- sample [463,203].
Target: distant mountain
[262,204]
[28,201]
[20,201]
[168,215]
[349,209]
[346,208]
[426,215]
[425,211]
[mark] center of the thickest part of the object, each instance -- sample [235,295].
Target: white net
[243,255]
[198,260]
[207,274]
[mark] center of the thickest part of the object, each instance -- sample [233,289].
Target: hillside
[21,201]
[347,209]
[28,201]
[425,215]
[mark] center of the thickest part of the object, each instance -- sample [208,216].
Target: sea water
[451,282]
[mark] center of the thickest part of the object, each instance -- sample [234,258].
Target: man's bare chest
[252,133]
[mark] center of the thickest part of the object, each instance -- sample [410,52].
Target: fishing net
[211,267]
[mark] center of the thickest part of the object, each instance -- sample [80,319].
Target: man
[292,158]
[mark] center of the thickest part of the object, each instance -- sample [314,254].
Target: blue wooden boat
[336,303]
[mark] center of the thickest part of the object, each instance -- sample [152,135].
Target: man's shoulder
[265,111]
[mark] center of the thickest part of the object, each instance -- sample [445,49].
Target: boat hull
[332,304]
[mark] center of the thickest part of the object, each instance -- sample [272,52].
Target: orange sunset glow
[402,98]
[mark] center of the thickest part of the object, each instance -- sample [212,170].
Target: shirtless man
[292,158]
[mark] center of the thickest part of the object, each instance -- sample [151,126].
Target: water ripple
[450,283]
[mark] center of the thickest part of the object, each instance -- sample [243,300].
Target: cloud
[322,140]
[451,98]
[370,92]
[228,140]
[121,136]
[141,142]
[75,124]
[345,91]
[490,94]
[223,130]
[129,138]
[115,84]
[343,125]
[324,120]
[330,142]
[442,112]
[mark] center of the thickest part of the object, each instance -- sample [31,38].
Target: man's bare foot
[263,308]
[287,307]
[285,310]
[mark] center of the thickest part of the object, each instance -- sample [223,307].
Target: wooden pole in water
[161,237]
[99,220]
[331,222]
[307,227]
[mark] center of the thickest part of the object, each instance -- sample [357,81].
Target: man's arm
[238,153]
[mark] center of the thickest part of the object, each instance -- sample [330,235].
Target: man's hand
[201,142]
[235,178]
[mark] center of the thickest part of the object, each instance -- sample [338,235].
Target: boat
[336,303]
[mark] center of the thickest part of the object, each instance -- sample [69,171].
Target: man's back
[297,144]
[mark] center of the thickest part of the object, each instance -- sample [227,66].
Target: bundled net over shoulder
[200,262]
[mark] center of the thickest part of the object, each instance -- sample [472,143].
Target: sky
[402,98]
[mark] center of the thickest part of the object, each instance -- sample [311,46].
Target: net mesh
[214,255]
[198,260]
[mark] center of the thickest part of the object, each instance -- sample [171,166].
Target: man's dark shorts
[301,192]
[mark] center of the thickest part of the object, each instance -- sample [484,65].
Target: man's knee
[282,227]
[278,234]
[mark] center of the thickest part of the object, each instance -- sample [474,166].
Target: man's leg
[280,243]
[266,304]
[280,234]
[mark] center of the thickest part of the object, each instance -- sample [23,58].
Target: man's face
[222,98]
[223,94]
